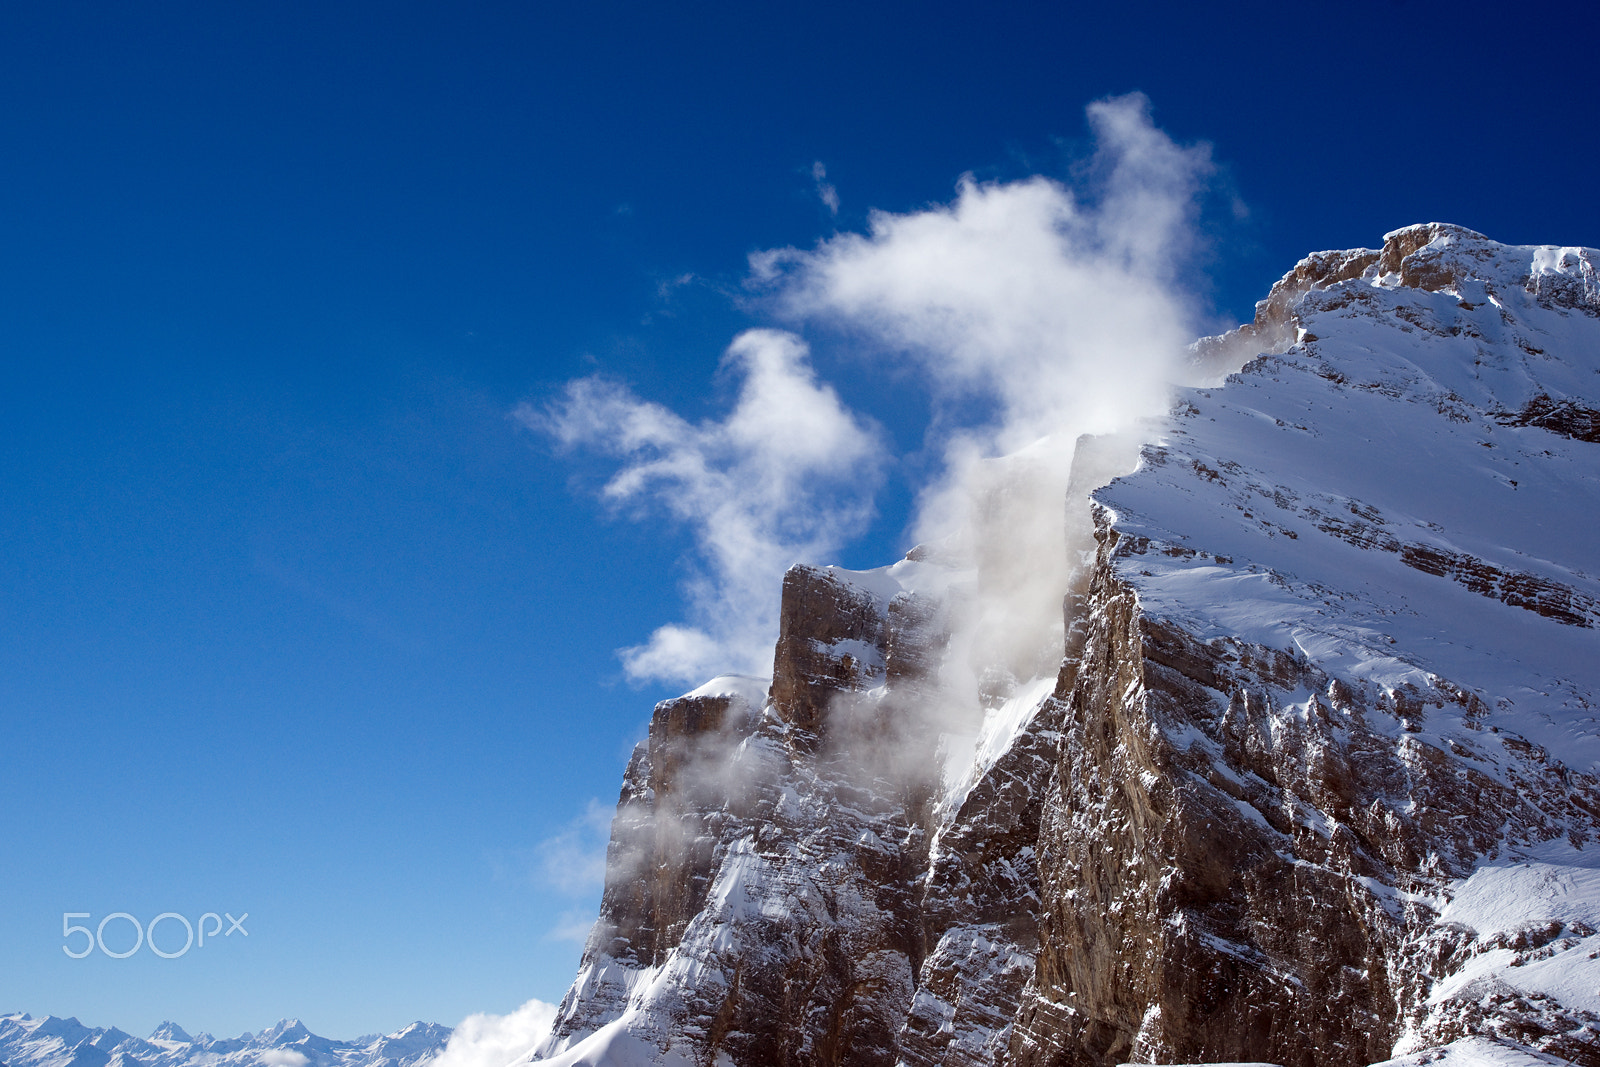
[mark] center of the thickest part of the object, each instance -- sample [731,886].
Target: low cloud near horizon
[487,1040]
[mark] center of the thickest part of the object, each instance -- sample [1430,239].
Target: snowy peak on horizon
[171,1031]
[56,1042]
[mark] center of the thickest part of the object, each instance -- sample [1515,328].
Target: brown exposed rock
[813,814]
[1565,417]
[1428,257]
[1531,592]
[1216,856]
[661,854]
[819,612]
[1416,254]
[1275,323]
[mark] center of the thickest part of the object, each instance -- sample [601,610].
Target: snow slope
[1391,425]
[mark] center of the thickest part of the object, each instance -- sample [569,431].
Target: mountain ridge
[1313,784]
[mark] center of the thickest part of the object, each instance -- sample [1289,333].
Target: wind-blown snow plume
[1033,313]
[1050,314]
[788,475]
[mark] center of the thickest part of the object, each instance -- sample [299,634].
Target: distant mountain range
[56,1042]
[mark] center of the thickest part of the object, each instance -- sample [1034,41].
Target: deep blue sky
[294,620]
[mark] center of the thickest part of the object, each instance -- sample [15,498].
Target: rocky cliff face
[1315,784]
[766,855]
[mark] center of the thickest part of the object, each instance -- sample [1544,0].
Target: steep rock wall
[1241,852]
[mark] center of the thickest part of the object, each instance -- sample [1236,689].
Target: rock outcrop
[1316,783]
[766,853]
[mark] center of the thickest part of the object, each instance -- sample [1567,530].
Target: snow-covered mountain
[55,1042]
[1315,782]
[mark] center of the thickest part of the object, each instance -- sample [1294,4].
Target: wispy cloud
[574,860]
[569,863]
[788,474]
[825,190]
[573,925]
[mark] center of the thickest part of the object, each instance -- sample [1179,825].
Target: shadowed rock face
[1249,849]
[980,905]
[1313,688]
[660,858]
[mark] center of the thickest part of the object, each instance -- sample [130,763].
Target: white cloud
[787,475]
[1036,313]
[485,1040]
[570,863]
[1064,313]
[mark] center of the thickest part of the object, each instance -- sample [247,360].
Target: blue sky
[296,617]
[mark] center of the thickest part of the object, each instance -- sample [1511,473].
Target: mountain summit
[1315,782]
